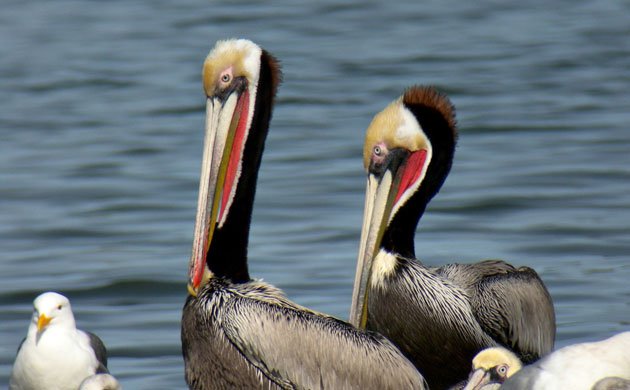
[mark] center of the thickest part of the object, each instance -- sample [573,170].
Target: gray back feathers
[512,305]
[100,351]
[294,347]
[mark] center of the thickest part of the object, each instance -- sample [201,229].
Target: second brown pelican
[239,333]
[439,317]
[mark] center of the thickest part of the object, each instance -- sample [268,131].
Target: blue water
[101,124]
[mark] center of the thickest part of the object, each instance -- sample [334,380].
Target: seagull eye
[59,307]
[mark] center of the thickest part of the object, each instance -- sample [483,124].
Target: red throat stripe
[411,171]
[242,108]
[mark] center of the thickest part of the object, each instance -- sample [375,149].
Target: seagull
[55,355]
[579,366]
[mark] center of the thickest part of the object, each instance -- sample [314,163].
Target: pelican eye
[377,150]
[225,78]
[502,370]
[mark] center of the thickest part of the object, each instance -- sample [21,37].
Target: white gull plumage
[55,355]
[578,366]
[100,382]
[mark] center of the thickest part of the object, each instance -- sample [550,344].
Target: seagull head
[52,309]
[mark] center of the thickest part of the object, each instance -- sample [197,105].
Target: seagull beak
[43,322]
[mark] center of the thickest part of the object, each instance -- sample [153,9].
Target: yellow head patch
[493,357]
[395,127]
[238,57]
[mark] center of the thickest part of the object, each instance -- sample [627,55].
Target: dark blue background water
[101,124]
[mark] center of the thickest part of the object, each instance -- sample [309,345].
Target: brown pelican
[55,354]
[243,333]
[439,317]
[595,365]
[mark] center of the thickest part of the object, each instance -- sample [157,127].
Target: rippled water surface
[101,119]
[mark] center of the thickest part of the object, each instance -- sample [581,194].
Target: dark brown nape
[274,68]
[433,99]
[436,116]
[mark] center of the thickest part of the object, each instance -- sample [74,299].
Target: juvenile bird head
[492,365]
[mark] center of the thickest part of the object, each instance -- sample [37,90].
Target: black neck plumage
[398,238]
[227,256]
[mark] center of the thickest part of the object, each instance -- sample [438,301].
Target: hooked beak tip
[191,290]
[195,284]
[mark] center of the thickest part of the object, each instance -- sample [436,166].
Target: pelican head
[231,75]
[492,366]
[407,154]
